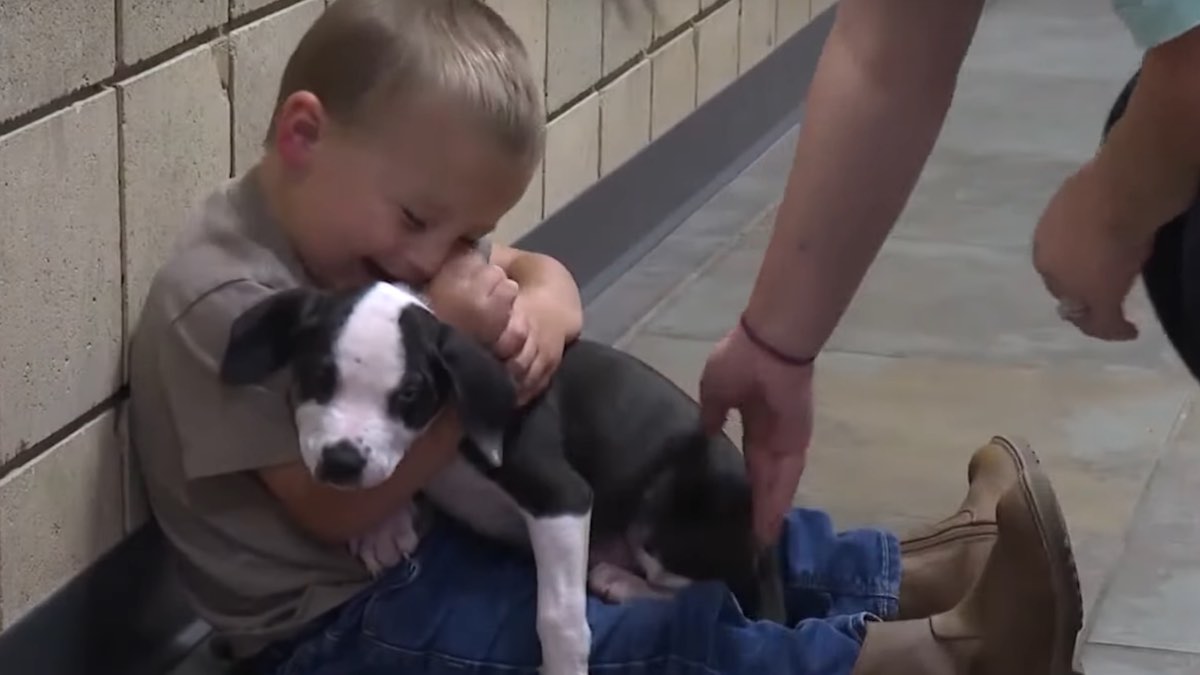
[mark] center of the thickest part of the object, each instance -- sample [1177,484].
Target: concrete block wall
[117,116]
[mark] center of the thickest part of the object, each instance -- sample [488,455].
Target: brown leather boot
[941,561]
[1022,617]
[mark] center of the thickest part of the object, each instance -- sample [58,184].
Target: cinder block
[717,51]
[527,214]
[528,20]
[62,511]
[674,73]
[628,29]
[49,49]
[572,153]
[151,26]
[175,134]
[790,17]
[259,53]
[672,14]
[239,7]
[60,271]
[757,33]
[573,49]
[624,117]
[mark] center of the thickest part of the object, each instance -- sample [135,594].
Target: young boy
[404,130]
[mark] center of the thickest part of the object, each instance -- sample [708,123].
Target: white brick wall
[117,115]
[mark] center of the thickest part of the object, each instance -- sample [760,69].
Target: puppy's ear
[484,392]
[260,340]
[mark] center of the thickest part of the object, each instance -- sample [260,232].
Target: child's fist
[473,295]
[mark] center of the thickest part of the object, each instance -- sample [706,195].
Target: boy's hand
[474,296]
[531,349]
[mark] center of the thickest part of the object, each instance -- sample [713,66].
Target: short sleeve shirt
[1153,22]
[248,569]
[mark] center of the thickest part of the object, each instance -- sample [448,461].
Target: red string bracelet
[767,347]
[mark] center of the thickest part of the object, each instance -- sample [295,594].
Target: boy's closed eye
[412,222]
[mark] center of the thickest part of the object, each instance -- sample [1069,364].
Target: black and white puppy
[605,474]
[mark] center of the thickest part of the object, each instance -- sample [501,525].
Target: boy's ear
[484,393]
[260,340]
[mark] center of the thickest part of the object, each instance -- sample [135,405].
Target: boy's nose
[341,464]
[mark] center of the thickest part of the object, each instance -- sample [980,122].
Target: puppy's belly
[468,496]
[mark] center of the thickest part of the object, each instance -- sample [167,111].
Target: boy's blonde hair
[361,54]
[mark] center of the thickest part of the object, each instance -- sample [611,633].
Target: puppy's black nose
[341,464]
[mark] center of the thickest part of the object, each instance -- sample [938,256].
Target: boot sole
[1064,573]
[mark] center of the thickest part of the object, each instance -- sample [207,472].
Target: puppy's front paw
[394,540]
[616,584]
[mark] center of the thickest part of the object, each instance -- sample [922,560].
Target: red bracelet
[762,344]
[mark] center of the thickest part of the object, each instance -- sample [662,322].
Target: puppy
[607,467]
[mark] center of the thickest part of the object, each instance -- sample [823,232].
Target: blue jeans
[464,605]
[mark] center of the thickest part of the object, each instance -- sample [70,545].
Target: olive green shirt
[249,571]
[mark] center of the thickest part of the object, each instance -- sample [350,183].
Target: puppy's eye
[408,393]
[319,381]
[326,375]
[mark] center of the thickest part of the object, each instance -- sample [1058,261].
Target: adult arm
[883,85]
[1098,229]
[1152,154]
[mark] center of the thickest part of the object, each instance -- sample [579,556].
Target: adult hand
[775,402]
[1088,257]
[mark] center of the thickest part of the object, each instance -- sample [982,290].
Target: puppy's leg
[394,539]
[658,575]
[616,584]
[560,550]
[557,504]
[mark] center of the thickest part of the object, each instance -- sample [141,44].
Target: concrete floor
[952,338]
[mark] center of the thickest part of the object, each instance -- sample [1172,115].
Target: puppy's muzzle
[342,464]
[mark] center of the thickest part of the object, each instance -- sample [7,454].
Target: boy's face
[394,201]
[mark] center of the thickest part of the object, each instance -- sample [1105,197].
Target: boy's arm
[546,289]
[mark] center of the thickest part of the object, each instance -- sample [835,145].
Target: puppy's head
[697,521]
[370,370]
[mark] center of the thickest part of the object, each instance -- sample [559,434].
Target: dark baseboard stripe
[124,615]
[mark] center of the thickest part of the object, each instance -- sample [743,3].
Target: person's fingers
[533,387]
[488,278]
[778,491]
[1108,322]
[538,376]
[760,470]
[512,339]
[714,406]
[506,292]
[519,365]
